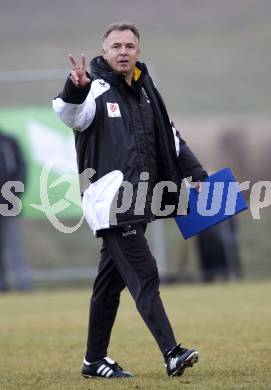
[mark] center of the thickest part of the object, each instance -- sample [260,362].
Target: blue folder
[220,198]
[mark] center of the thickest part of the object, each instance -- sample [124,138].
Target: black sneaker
[179,358]
[104,368]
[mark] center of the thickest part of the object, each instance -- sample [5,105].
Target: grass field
[42,338]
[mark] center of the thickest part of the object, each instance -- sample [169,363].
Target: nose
[123,50]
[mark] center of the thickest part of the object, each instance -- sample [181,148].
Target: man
[12,168]
[123,132]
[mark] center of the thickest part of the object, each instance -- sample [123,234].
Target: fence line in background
[59,274]
[15,76]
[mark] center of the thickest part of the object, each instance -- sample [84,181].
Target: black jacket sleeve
[73,94]
[189,164]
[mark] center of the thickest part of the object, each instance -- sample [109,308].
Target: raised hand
[78,75]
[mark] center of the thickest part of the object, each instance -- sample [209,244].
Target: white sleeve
[177,140]
[76,116]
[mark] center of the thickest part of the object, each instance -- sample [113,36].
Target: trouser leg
[3,273]
[18,265]
[138,269]
[103,307]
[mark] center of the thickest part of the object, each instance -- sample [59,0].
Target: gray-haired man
[123,132]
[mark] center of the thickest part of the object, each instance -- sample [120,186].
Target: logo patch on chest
[128,233]
[113,110]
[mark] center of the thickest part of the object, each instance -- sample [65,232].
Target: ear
[104,54]
[138,52]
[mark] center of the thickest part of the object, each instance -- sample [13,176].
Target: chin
[124,70]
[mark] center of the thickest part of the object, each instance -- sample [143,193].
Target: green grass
[42,339]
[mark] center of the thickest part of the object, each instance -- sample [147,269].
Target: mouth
[123,62]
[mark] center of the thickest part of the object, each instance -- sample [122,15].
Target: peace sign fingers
[74,78]
[72,60]
[83,61]
[82,65]
[78,74]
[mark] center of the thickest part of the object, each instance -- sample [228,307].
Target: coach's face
[121,51]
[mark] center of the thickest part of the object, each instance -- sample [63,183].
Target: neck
[128,77]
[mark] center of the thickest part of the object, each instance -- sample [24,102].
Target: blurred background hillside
[211,61]
[207,57]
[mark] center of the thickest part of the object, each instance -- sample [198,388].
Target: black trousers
[126,260]
[3,276]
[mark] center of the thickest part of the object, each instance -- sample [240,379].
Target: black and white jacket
[120,132]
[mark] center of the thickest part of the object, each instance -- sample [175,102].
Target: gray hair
[121,26]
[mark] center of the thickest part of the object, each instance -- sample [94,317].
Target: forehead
[125,36]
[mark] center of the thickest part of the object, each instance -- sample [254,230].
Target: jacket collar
[100,68]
